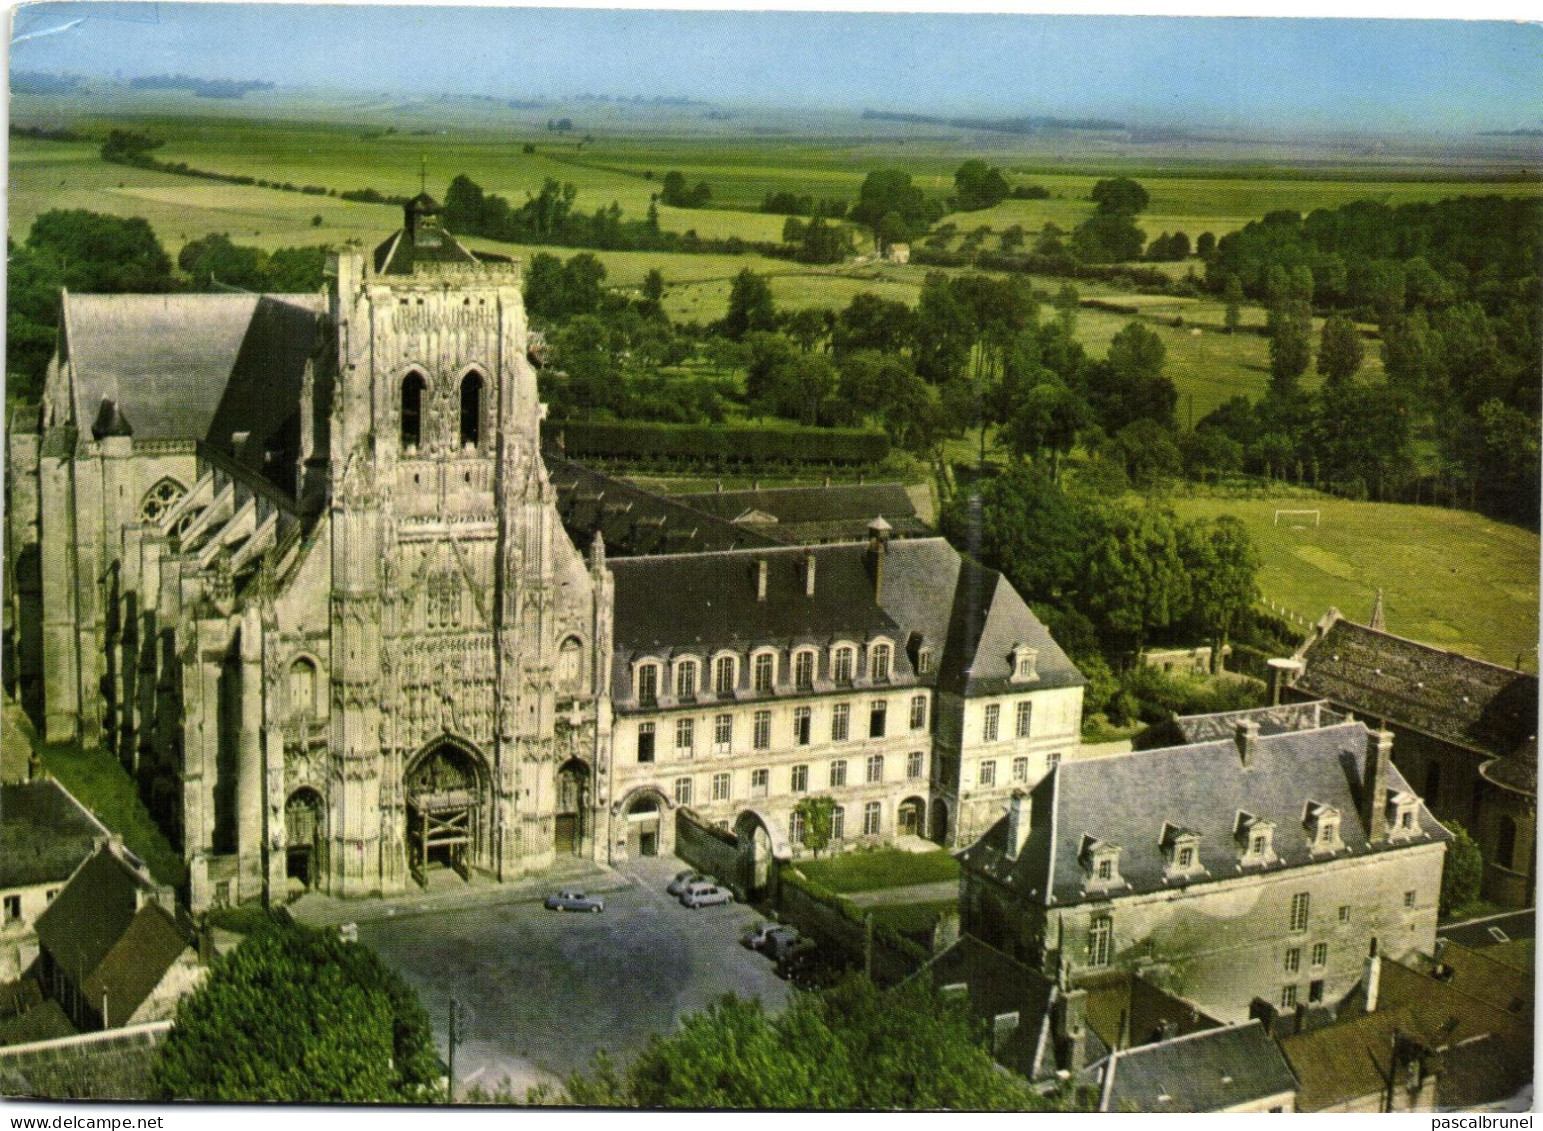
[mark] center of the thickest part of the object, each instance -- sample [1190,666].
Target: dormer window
[923,661]
[1025,664]
[648,683]
[1256,839]
[1402,822]
[841,664]
[878,663]
[803,671]
[725,676]
[1181,851]
[1100,862]
[1322,825]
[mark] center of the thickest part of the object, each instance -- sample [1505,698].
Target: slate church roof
[1128,800]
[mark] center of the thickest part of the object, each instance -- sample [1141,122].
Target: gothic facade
[298,562]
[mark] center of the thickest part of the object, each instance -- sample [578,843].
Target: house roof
[1124,1008]
[1271,720]
[165,361]
[997,984]
[701,602]
[1127,800]
[44,834]
[1209,1070]
[1464,701]
[137,962]
[88,917]
[840,513]
[1487,1053]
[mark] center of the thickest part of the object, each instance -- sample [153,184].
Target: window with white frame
[802,720]
[873,819]
[838,823]
[723,733]
[1100,941]
[878,663]
[993,722]
[918,712]
[923,661]
[796,827]
[838,773]
[1320,954]
[798,780]
[1025,716]
[763,730]
[875,768]
[685,680]
[877,712]
[645,742]
[722,785]
[723,676]
[765,671]
[1293,961]
[1301,903]
[841,664]
[685,733]
[648,683]
[840,722]
[760,782]
[803,671]
[1288,997]
[915,762]
[683,791]
[988,772]
[1052,761]
[1021,768]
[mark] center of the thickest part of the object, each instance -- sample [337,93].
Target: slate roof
[44,834]
[633,520]
[1271,720]
[399,254]
[1518,773]
[92,912]
[998,984]
[1473,704]
[165,361]
[137,962]
[1125,1009]
[1126,800]
[702,602]
[1210,1070]
[839,513]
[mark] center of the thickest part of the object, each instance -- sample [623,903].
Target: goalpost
[1297,514]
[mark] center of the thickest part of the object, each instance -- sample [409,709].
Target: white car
[705,895]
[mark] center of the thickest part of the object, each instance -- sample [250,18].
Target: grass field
[1449,578]
[881,868]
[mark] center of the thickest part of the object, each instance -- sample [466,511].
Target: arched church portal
[448,809]
[572,806]
[305,839]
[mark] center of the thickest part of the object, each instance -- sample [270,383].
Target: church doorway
[572,804]
[446,809]
[304,842]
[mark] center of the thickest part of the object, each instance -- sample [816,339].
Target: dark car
[574,901]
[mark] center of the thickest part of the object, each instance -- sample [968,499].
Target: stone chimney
[1247,738]
[878,548]
[1019,823]
[1071,1030]
[1282,670]
[1372,980]
[762,569]
[808,573]
[1374,791]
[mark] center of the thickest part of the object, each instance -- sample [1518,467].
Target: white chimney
[1373,978]
[808,573]
[761,570]
[1019,823]
[1247,738]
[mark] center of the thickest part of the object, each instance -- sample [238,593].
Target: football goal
[1297,517]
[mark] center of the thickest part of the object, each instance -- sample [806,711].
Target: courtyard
[541,991]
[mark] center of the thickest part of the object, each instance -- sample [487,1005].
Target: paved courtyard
[544,990]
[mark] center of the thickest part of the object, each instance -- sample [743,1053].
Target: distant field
[1449,578]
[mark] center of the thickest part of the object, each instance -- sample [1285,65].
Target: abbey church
[301,564]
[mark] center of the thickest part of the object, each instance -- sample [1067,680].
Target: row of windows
[1319,956]
[798,778]
[991,730]
[761,728]
[415,385]
[987,773]
[687,675]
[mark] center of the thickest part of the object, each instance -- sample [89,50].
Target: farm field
[1450,578]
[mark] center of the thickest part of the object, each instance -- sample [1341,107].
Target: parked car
[780,943]
[683,879]
[574,901]
[705,895]
[764,936]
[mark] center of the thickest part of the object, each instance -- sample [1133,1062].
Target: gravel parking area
[544,990]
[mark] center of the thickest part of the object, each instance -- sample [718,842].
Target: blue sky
[1347,74]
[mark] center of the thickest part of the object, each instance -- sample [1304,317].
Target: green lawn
[881,868]
[912,918]
[1450,578]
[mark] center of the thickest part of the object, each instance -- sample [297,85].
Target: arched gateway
[448,811]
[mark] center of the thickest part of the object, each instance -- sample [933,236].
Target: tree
[215,259]
[1232,295]
[1046,421]
[1205,244]
[1108,237]
[1463,873]
[1120,195]
[1339,349]
[653,287]
[817,812]
[1135,581]
[978,185]
[297,1015]
[850,1047]
[890,190]
[750,305]
[872,323]
[1291,346]
[891,229]
[1130,383]
[1223,565]
[1024,524]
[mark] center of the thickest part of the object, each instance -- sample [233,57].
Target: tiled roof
[89,916]
[1126,800]
[44,834]
[1210,1070]
[165,361]
[1480,706]
[137,962]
